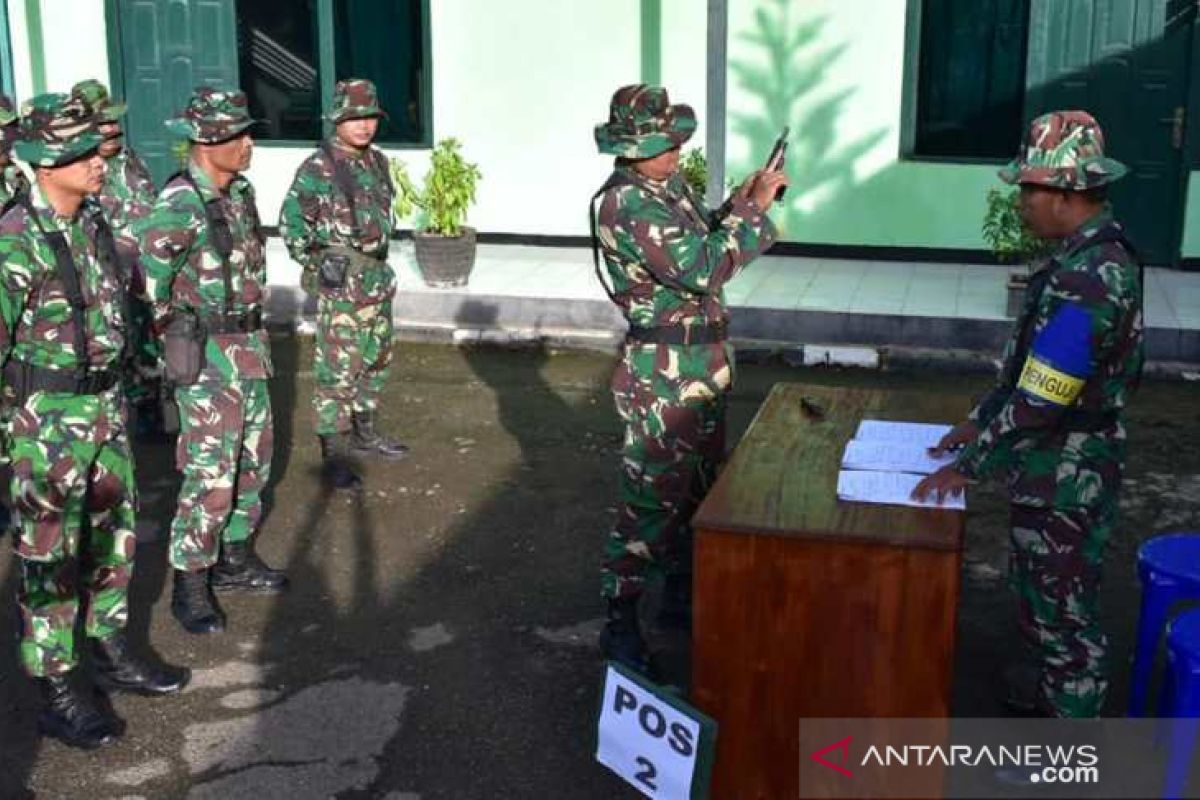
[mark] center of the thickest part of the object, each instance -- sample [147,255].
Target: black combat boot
[118,669]
[368,440]
[335,466]
[239,569]
[675,611]
[621,640]
[72,714]
[193,605]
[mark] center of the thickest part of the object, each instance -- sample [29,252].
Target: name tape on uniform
[655,742]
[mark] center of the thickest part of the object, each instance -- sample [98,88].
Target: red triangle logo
[844,747]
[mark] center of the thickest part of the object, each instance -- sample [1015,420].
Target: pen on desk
[811,409]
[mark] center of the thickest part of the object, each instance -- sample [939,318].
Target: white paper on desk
[888,488]
[918,434]
[892,457]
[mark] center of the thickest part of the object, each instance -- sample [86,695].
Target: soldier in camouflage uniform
[128,195]
[73,486]
[668,259]
[336,221]
[203,250]
[12,183]
[1053,422]
[12,178]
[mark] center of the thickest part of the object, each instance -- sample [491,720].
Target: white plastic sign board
[655,742]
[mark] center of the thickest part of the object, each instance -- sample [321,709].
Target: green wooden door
[162,49]
[1127,62]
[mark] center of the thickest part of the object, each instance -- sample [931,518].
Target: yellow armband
[1043,381]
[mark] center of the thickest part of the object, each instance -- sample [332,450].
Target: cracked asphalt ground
[438,641]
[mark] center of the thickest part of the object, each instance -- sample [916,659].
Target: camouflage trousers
[671,400]
[1054,570]
[74,496]
[224,452]
[352,358]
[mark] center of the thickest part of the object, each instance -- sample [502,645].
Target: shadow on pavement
[463,610]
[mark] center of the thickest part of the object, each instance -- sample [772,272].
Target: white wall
[74,38]
[18,34]
[522,84]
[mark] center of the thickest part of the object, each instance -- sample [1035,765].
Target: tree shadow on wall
[790,64]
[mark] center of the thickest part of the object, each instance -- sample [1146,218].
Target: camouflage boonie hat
[1064,150]
[8,114]
[354,98]
[56,129]
[642,123]
[95,94]
[212,116]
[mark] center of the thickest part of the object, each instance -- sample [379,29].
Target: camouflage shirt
[128,195]
[668,256]
[39,324]
[12,183]
[315,215]
[1053,418]
[185,274]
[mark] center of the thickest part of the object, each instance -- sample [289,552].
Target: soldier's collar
[208,189]
[344,149]
[41,206]
[1084,233]
[668,186]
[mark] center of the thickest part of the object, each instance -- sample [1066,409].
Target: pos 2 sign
[657,743]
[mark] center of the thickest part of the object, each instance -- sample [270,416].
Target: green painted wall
[839,85]
[651,40]
[813,65]
[1191,219]
[904,204]
[37,65]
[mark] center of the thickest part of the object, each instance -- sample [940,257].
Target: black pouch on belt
[183,349]
[334,267]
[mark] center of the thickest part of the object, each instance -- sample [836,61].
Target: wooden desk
[810,607]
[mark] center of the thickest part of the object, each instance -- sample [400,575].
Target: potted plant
[694,168]
[445,245]
[1010,241]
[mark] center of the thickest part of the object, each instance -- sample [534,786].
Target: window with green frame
[971,78]
[291,52]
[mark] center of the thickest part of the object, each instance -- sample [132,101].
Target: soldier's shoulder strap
[68,275]
[343,181]
[615,180]
[102,235]
[383,164]
[13,202]
[110,263]
[218,231]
